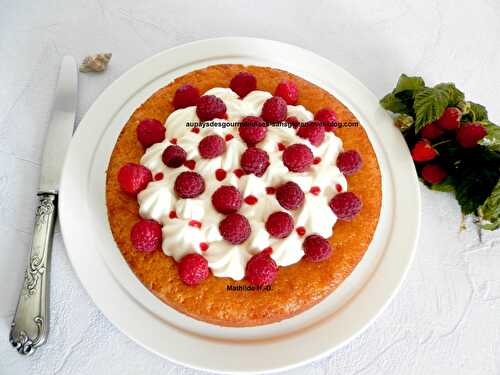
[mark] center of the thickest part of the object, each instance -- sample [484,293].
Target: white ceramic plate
[133,309]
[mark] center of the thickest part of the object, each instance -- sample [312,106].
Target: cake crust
[297,287]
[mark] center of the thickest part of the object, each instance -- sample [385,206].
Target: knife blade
[60,128]
[30,324]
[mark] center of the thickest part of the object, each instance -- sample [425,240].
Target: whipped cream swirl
[183,234]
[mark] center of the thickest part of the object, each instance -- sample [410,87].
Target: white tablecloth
[445,320]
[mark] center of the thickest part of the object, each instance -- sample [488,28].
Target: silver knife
[30,325]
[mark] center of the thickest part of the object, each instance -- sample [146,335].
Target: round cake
[242,195]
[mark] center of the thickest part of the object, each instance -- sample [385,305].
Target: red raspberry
[313,131]
[431,131]
[290,195]
[298,157]
[346,205]
[186,96]
[469,134]
[189,185]
[243,83]
[252,130]
[150,131]
[146,235]
[193,269]
[254,160]
[450,119]
[279,224]
[316,248]
[327,117]
[423,151]
[287,90]
[349,162]
[274,109]
[434,173]
[261,269]
[211,146]
[235,228]
[227,199]
[173,156]
[210,107]
[133,178]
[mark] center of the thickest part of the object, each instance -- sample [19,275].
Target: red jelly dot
[190,164]
[203,246]
[195,130]
[172,215]
[338,187]
[268,250]
[158,176]
[281,146]
[195,223]
[270,190]
[315,190]
[251,200]
[301,231]
[317,160]
[173,141]
[228,137]
[220,174]
[239,172]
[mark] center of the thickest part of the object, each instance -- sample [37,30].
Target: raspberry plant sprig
[454,145]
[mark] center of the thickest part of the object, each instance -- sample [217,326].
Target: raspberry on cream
[313,216]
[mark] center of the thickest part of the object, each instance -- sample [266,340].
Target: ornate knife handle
[30,325]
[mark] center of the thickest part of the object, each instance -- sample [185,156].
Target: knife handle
[30,325]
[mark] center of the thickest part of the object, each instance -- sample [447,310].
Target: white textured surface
[446,317]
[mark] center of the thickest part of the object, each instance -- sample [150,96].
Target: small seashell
[95,63]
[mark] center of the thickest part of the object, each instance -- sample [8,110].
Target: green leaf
[492,225]
[403,122]
[492,139]
[464,107]
[455,96]
[445,186]
[407,98]
[479,112]
[465,192]
[490,209]
[400,100]
[406,89]
[391,103]
[429,105]
[476,173]
[407,83]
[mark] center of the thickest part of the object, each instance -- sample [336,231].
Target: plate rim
[65,194]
